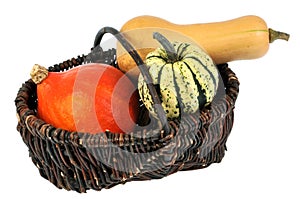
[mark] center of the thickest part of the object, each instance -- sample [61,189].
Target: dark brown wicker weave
[81,161]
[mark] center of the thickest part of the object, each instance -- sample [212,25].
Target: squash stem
[274,35]
[167,45]
[38,73]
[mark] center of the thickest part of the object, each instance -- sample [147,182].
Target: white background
[262,160]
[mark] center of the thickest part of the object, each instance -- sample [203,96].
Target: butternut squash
[243,38]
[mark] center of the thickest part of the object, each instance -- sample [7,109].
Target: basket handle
[141,65]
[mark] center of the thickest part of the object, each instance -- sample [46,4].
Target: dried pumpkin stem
[167,45]
[274,35]
[38,73]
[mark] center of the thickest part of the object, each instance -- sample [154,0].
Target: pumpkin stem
[38,73]
[167,45]
[273,35]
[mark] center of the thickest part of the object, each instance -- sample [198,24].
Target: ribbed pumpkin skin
[186,85]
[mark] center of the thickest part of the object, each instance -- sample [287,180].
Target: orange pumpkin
[89,98]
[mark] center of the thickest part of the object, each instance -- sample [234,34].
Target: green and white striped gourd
[185,76]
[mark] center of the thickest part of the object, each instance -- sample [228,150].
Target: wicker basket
[81,161]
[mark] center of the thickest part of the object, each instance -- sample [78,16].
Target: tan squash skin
[242,38]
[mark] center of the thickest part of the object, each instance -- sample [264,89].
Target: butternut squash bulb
[185,77]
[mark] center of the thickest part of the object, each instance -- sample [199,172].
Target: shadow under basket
[82,161]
